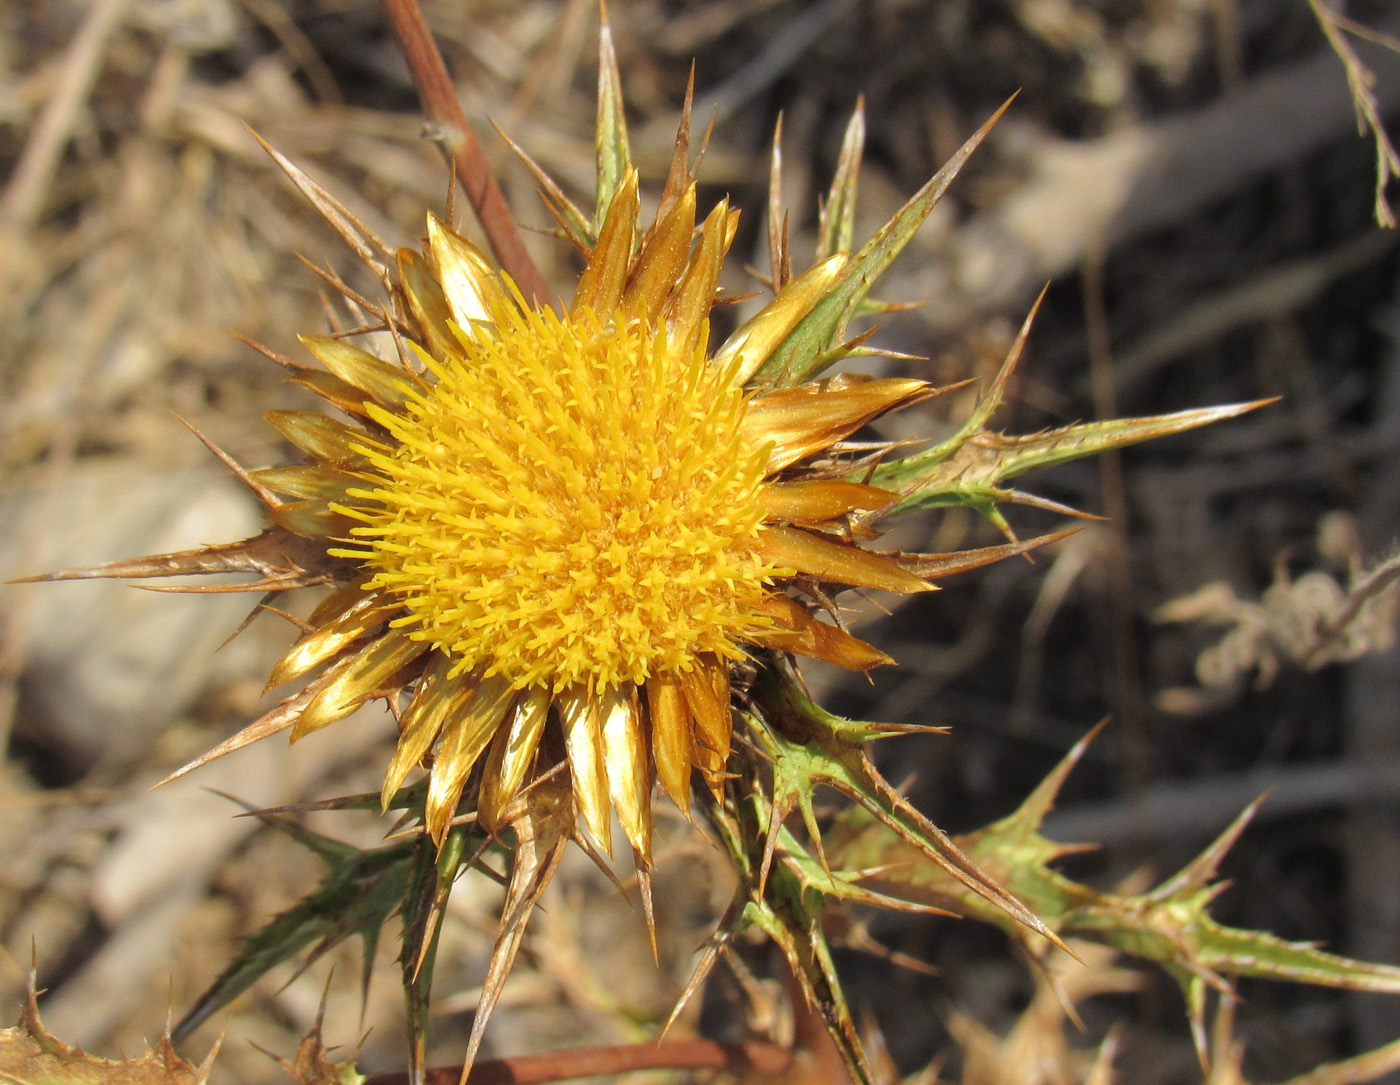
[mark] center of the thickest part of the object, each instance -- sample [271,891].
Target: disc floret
[571,503]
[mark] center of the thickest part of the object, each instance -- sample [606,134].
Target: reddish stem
[616,1059]
[440,103]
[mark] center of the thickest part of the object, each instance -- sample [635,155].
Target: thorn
[338,284]
[262,604]
[267,352]
[776,817]
[266,496]
[644,891]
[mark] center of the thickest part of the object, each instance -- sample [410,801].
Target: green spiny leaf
[1176,911]
[817,877]
[985,459]
[794,924]
[424,888]
[359,893]
[1234,952]
[409,797]
[790,914]
[836,230]
[991,400]
[613,152]
[969,468]
[1169,925]
[1010,850]
[985,500]
[810,345]
[331,851]
[820,748]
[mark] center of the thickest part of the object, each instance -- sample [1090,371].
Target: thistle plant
[578,548]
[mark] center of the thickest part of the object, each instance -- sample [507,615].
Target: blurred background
[1188,176]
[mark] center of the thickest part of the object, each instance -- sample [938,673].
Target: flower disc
[570,503]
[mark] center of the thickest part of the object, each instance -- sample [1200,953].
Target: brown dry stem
[759,1058]
[1361,81]
[443,109]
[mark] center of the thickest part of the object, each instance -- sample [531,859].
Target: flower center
[570,503]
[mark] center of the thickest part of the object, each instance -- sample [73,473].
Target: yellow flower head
[575,520]
[571,504]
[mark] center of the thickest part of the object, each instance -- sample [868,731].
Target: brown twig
[1126,688]
[440,103]
[1361,81]
[614,1059]
[1334,630]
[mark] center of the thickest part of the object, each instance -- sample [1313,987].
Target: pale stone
[107,664]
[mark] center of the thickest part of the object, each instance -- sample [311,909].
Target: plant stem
[616,1059]
[440,104]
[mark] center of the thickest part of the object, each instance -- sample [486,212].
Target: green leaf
[808,746]
[969,468]
[811,345]
[836,228]
[1234,952]
[990,401]
[426,884]
[359,893]
[983,499]
[788,912]
[983,461]
[613,153]
[792,919]
[1169,925]
[817,877]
